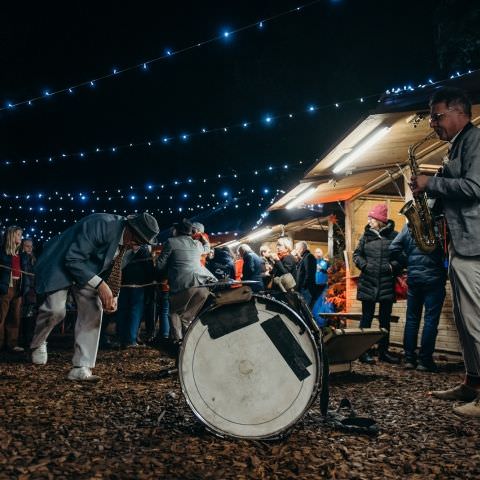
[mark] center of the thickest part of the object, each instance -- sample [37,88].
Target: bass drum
[250,370]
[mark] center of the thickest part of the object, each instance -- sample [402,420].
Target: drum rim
[286,429]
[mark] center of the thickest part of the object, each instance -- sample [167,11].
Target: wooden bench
[343,316]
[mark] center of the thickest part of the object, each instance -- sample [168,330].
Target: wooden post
[349,230]
[330,239]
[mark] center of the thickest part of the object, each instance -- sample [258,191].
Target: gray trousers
[87,326]
[464,273]
[184,307]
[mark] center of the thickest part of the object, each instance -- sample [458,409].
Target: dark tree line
[457,34]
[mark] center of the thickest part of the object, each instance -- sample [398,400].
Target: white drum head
[249,370]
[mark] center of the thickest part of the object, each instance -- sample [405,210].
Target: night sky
[329,52]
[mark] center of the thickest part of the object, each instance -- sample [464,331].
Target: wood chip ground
[134,425]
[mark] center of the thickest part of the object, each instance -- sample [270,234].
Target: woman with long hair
[12,286]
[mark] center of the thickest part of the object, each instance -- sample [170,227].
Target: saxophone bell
[421,221]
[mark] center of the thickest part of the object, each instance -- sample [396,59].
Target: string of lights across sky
[42,228]
[184,202]
[265,120]
[168,53]
[151,190]
[115,72]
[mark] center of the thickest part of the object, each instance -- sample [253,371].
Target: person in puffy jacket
[222,264]
[426,277]
[376,281]
[253,267]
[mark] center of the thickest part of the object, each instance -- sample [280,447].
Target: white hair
[303,245]
[285,242]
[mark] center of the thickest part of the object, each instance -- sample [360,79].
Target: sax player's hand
[419,183]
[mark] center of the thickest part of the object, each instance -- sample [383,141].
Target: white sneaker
[40,355]
[82,374]
[17,349]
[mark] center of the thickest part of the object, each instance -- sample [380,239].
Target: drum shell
[191,375]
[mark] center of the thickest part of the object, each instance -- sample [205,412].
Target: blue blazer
[253,267]
[79,253]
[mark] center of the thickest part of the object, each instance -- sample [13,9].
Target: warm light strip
[361,148]
[260,233]
[300,198]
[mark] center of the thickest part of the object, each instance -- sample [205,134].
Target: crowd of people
[159,284]
[107,264]
[381,255]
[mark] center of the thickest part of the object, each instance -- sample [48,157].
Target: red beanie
[379,212]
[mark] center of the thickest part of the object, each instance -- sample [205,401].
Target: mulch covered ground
[135,425]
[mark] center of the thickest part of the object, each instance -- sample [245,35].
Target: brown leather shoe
[461,392]
[471,409]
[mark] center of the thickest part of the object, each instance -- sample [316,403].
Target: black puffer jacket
[376,282]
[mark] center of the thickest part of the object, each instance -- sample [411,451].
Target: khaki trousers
[10,312]
[87,325]
[464,273]
[184,307]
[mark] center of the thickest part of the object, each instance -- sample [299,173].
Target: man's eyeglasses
[435,117]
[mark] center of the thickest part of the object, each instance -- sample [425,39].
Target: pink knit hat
[379,212]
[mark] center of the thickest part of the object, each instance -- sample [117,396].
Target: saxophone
[421,222]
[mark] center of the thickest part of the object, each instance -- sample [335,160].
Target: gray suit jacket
[459,189]
[180,257]
[79,253]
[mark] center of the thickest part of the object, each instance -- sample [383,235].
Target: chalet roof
[406,116]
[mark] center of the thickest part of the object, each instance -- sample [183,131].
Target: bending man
[87,258]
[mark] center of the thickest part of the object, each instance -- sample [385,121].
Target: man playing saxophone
[459,189]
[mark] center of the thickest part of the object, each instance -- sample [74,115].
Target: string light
[186,136]
[209,210]
[168,53]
